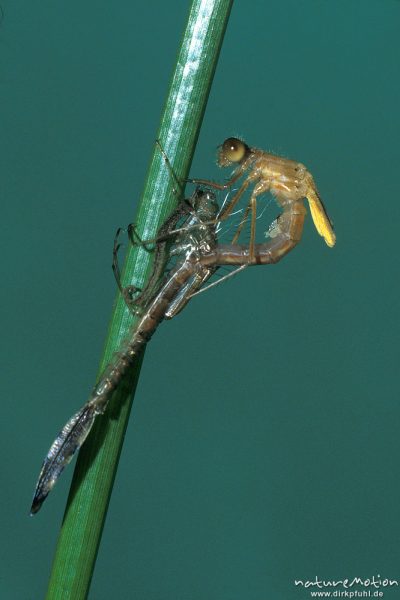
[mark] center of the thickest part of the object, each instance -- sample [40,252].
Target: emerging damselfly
[199,255]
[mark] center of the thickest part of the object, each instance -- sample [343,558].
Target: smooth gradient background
[263,445]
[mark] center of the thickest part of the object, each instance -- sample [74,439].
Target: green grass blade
[97,463]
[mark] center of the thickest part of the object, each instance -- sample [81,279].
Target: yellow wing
[319,215]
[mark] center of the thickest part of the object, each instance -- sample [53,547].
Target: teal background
[263,445]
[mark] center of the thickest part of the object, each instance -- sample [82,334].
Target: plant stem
[97,463]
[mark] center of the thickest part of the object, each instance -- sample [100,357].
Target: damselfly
[289,181]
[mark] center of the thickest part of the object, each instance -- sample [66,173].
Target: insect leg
[241,224]
[220,280]
[128,291]
[136,240]
[221,186]
[115,264]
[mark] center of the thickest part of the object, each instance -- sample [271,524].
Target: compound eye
[233,149]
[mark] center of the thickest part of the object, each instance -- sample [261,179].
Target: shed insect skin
[289,181]
[171,294]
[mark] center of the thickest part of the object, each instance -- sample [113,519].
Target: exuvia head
[204,203]
[231,151]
